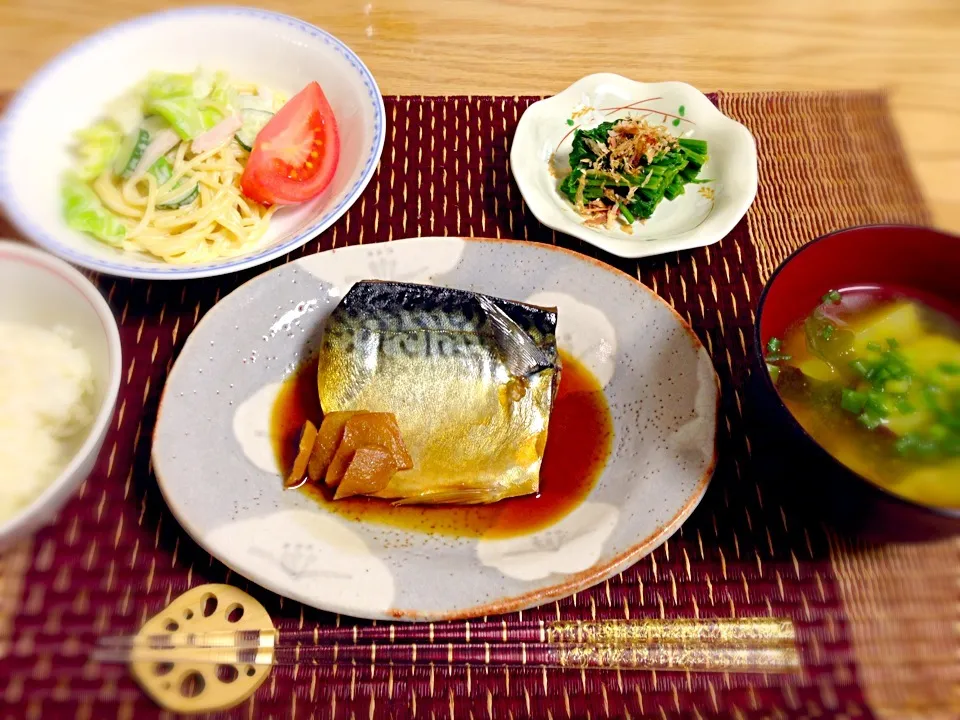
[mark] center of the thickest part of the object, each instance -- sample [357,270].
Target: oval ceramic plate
[701,216]
[215,464]
[70,92]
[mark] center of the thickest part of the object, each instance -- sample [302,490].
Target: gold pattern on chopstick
[694,658]
[730,631]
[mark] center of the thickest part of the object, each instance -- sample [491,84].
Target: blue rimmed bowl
[264,47]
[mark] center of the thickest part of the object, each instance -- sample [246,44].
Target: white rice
[46,407]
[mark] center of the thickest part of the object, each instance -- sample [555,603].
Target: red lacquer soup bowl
[908,260]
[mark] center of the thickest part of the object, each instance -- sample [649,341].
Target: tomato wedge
[295,154]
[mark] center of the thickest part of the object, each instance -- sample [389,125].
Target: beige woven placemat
[902,601]
[13,565]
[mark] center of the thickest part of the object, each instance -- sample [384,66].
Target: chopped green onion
[938,432]
[682,111]
[876,405]
[905,444]
[860,367]
[827,332]
[896,369]
[774,371]
[880,378]
[853,401]
[926,447]
[930,395]
[875,347]
[832,296]
[905,407]
[949,368]
[774,345]
[870,422]
[897,386]
[892,343]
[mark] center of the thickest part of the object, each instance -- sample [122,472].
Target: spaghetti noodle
[168,184]
[221,222]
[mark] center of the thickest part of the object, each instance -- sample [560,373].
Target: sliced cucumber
[253,122]
[128,157]
[161,170]
[189,194]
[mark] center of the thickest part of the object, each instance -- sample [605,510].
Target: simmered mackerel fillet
[471,380]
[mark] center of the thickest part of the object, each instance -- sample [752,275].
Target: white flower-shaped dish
[267,48]
[701,216]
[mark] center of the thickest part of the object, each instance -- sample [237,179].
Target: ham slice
[217,135]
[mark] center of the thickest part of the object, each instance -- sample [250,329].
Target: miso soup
[873,376]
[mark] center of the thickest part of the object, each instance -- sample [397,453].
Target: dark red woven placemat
[116,555]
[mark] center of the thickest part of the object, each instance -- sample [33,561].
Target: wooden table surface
[909,47]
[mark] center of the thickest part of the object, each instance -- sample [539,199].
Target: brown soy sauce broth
[870,453]
[578,444]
